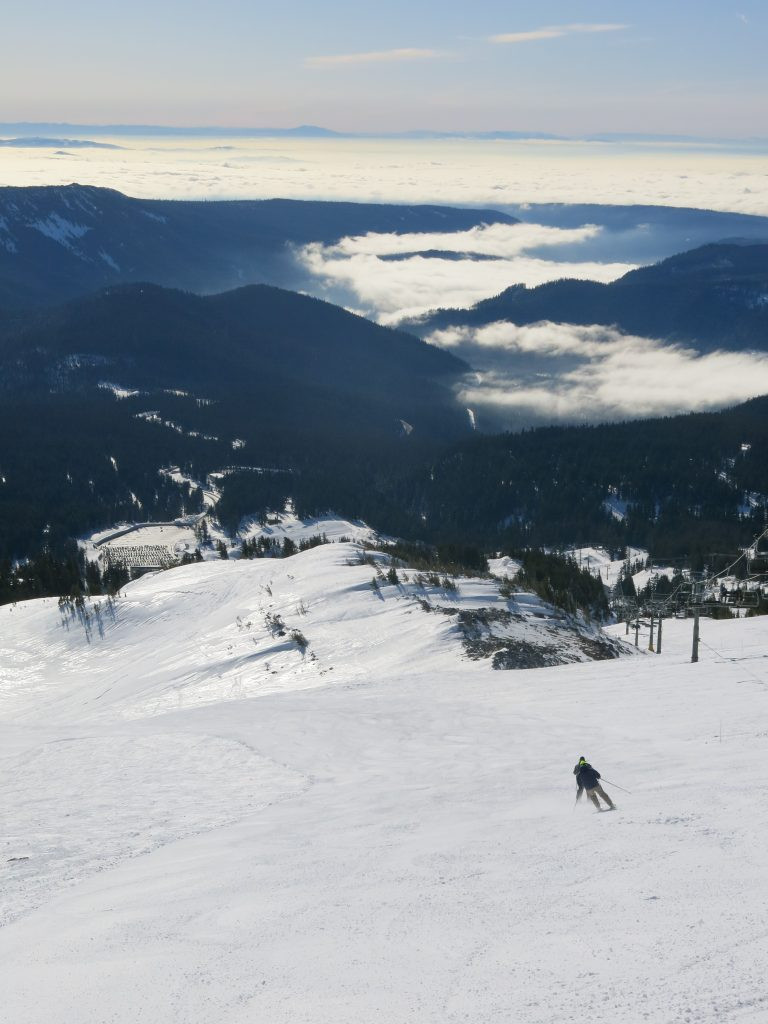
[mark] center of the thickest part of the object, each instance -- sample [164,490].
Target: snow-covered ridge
[354,611]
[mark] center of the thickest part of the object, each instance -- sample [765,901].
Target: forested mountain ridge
[57,242]
[713,297]
[100,394]
[159,337]
[682,486]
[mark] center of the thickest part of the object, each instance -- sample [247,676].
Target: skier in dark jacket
[588,778]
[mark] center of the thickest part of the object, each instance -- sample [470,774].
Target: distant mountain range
[40,142]
[714,297]
[311,131]
[149,130]
[58,242]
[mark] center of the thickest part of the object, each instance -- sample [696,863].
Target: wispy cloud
[554,32]
[374,57]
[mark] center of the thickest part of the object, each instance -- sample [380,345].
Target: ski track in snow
[388,834]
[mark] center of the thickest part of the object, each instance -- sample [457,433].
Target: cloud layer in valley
[550,372]
[394,277]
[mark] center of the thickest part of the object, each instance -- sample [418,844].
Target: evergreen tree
[289,547]
[93,580]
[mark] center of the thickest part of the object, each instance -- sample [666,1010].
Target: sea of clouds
[455,171]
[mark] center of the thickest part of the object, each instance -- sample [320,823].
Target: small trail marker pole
[650,638]
[695,650]
[658,637]
[637,632]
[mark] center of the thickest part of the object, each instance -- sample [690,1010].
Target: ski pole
[615,786]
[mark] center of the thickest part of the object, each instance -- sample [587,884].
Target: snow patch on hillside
[59,229]
[117,390]
[109,261]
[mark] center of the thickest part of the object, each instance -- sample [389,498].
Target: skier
[588,778]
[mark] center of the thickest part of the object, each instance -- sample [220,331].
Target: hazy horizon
[572,70]
[28,131]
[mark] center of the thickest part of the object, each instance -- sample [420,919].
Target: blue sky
[680,66]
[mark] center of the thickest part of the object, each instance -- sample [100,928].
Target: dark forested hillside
[57,242]
[257,377]
[683,486]
[151,336]
[712,297]
[69,465]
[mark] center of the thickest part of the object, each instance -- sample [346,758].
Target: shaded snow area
[600,563]
[288,524]
[202,823]
[504,566]
[645,576]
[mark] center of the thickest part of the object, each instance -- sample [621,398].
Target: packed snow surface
[198,830]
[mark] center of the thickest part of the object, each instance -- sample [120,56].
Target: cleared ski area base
[393,841]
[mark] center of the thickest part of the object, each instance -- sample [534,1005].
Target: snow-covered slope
[221,630]
[384,834]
